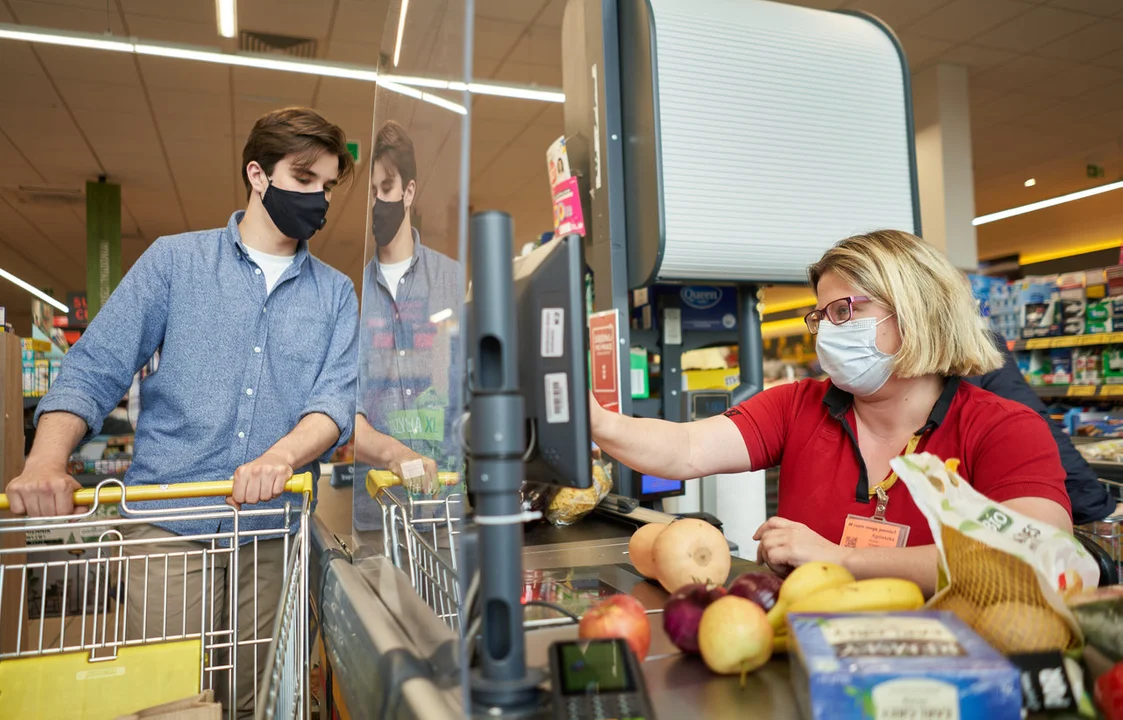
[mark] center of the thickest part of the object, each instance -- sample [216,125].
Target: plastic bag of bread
[1004,574]
[570,505]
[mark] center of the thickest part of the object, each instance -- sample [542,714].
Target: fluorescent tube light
[440,316]
[264,62]
[81,40]
[1022,210]
[227,17]
[420,95]
[33,290]
[401,31]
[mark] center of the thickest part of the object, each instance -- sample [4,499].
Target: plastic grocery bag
[1004,574]
[570,504]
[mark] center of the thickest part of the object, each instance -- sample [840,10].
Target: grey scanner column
[498,440]
[750,345]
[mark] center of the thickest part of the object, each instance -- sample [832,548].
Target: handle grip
[380,479]
[139,493]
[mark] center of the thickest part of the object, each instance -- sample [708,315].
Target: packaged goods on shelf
[1086,364]
[1092,424]
[1113,365]
[704,307]
[909,664]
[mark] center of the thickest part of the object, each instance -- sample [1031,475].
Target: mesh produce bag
[1002,573]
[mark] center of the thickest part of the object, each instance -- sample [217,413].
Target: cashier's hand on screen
[43,492]
[404,465]
[785,545]
[260,480]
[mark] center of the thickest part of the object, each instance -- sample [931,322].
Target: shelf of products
[1066,341]
[1078,391]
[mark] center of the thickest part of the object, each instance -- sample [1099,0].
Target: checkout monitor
[553,362]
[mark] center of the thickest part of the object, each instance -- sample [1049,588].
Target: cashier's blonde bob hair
[941,330]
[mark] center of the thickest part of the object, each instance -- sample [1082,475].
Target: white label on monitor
[557,398]
[637,380]
[672,326]
[553,332]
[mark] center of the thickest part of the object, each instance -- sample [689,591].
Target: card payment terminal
[597,680]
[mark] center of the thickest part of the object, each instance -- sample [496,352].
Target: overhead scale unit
[731,142]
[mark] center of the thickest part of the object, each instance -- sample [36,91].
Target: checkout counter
[389,656]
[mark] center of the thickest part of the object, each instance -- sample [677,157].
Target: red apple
[619,616]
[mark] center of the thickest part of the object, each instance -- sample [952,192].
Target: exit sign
[353,148]
[1096,171]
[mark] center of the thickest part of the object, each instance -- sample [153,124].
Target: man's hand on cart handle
[418,473]
[379,479]
[260,480]
[41,491]
[111,494]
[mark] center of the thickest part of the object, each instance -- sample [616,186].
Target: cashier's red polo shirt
[1006,451]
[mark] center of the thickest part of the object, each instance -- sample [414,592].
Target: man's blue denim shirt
[238,370]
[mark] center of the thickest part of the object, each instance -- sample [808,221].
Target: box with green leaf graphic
[914,665]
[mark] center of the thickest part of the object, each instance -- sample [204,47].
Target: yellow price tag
[1111,390]
[1081,391]
[1037,344]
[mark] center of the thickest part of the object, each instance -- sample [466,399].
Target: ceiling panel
[82,65]
[495,38]
[95,95]
[353,52]
[898,15]
[45,227]
[1103,8]
[360,21]
[273,89]
[335,93]
[1019,72]
[919,49]
[1089,43]
[961,20]
[1074,81]
[552,14]
[95,17]
[17,57]
[976,57]
[168,75]
[520,11]
[1113,59]
[1036,28]
[298,18]
[177,31]
[193,12]
[185,115]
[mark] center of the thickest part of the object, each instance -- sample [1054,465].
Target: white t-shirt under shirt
[272,266]
[394,272]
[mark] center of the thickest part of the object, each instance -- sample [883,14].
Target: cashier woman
[896,330]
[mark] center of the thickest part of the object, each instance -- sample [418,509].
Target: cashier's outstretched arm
[675,451]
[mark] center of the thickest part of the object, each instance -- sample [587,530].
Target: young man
[256,379]
[407,378]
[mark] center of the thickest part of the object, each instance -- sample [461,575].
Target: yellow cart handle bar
[379,479]
[139,493]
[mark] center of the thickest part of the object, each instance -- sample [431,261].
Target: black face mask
[385,219]
[298,215]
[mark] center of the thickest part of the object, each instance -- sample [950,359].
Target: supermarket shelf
[30,402]
[1067,341]
[1078,391]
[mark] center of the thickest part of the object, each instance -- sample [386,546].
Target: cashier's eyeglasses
[836,312]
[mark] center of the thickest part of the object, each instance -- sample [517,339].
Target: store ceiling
[1047,98]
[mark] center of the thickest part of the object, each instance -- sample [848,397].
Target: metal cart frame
[112,572]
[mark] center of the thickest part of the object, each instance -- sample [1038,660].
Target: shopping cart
[102,614]
[1108,533]
[419,536]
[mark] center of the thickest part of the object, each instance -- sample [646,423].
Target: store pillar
[103,242]
[943,160]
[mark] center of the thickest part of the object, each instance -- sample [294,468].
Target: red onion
[761,587]
[683,612]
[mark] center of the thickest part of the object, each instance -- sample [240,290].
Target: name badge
[874,532]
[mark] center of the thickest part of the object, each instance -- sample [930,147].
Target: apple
[734,636]
[619,616]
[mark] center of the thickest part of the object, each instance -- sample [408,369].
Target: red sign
[604,345]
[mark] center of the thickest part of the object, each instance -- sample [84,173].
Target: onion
[691,551]
[761,587]
[640,548]
[683,612]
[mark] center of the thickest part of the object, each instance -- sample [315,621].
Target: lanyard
[864,492]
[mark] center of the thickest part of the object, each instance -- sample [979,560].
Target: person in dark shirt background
[1090,498]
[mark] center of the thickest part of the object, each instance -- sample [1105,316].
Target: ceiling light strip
[1022,210]
[227,17]
[33,290]
[266,62]
[421,95]
[401,31]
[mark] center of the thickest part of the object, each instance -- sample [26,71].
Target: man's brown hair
[296,131]
[393,144]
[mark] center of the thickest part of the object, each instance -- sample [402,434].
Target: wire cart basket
[419,537]
[123,608]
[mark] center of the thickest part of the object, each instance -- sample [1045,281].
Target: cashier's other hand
[43,492]
[785,545]
[400,465]
[260,480]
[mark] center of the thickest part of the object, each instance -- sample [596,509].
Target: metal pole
[498,431]
[750,345]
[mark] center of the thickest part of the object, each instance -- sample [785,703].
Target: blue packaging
[923,665]
[704,307]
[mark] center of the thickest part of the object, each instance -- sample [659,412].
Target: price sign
[1111,390]
[79,315]
[1081,391]
[1037,344]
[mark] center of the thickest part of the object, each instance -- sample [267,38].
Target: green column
[103,243]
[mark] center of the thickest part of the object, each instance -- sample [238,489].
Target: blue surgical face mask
[849,355]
